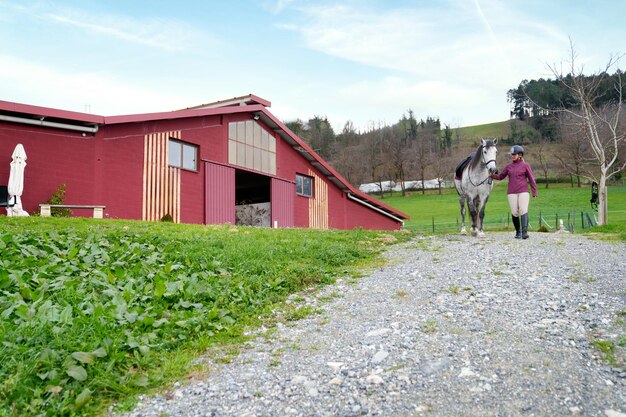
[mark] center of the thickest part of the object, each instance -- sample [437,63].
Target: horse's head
[489,154]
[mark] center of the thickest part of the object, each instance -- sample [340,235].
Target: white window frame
[301,188]
[181,162]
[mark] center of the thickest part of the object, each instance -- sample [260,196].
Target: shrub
[58,197]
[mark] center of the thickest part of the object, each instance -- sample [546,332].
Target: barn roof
[235,101]
[24,113]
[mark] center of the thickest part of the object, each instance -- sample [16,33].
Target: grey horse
[473,183]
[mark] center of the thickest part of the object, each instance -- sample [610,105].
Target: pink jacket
[518,172]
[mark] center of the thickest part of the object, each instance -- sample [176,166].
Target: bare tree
[375,158]
[397,155]
[574,155]
[423,158]
[600,124]
[541,151]
[349,161]
[443,168]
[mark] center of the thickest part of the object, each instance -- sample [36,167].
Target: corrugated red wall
[54,157]
[282,195]
[220,194]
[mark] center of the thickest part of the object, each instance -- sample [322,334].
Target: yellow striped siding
[161,183]
[318,205]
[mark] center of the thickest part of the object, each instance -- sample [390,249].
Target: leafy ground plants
[94,311]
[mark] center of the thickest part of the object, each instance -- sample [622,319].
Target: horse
[473,183]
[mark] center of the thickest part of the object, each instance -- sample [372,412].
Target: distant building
[230,161]
[388,186]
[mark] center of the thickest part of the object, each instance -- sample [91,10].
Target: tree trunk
[602,201]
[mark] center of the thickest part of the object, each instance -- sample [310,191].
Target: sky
[367,62]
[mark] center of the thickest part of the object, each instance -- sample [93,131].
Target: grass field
[93,312]
[470,135]
[442,213]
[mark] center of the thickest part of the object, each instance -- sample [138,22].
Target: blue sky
[365,61]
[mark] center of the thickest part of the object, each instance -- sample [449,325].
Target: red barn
[225,162]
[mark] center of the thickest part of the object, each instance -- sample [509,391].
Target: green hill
[470,135]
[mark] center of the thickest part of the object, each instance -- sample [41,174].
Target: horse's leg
[482,216]
[462,202]
[474,214]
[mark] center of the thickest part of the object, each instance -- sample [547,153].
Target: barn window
[304,185]
[251,146]
[182,155]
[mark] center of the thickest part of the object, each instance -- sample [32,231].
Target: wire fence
[571,221]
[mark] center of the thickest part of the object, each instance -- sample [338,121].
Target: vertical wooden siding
[318,205]
[219,194]
[161,183]
[283,196]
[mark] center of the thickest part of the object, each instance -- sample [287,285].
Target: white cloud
[456,61]
[394,96]
[161,33]
[155,33]
[454,44]
[90,92]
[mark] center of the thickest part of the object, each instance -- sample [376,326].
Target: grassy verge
[610,232]
[92,312]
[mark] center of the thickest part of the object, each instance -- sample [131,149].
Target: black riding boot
[525,226]
[518,234]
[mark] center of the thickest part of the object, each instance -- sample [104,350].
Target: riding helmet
[517,150]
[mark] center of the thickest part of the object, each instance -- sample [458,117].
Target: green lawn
[94,311]
[556,202]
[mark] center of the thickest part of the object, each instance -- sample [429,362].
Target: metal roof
[235,101]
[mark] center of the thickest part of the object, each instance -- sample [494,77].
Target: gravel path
[453,326]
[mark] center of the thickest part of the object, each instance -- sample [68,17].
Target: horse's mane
[477,157]
[479,154]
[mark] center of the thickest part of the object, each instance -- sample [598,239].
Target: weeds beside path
[95,311]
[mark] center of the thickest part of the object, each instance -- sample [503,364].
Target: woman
[519,174]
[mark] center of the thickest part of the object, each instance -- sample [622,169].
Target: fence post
[570,225]
[433,224]
[582,220]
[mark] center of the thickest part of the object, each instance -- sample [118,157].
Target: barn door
[282,195]
[219,194]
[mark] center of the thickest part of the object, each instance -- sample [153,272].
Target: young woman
[520,175]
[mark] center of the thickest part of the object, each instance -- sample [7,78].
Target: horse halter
[469,174]
[482,157]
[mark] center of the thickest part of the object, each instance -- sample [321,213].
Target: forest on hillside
[425,148]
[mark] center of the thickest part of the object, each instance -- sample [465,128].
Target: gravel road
[452,326]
